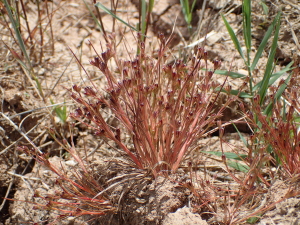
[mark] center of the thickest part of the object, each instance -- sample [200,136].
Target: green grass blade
[278,94]
[229,155]
[238,166]
[275,76]
[186,5]
[143,16]
[235,92]
[99,5]
[184,10]
[241,95]
[232,164]
[286,69]
[241,137]
[193,6]
[39,86]
[264,43]
[267,75]
[189,13]
[64,112]
[231,74]
[265,7]
[247,25]
[15,25]
[17,31]
[151,4]
[234,39]
[61,113]
[16,56]
[94,17]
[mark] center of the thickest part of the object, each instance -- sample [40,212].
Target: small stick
[21,132]
[7,193]
[12,144]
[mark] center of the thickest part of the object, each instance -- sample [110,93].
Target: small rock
[183,216]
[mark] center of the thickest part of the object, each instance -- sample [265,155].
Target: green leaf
[268,70]
[143,16]
[64,112]
[17,31]
[193,6]
[39,86]
[278,94]
[275,76]
[189,18]
[247,25]
[61,113]
[238,166]
[241,137]
[229,155]
[286,69]
[99,5]
[151,4]
[264,43]
[184,10]
[235,92]
[253,220]
[231,74]
[265,7]
[232,164]
[94,17]
[234,39]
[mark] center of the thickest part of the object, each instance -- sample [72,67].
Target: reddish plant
[79,193]
[163,107]
[227,197]
[279,127]
[280,131]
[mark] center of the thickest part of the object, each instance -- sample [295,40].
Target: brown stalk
[101,23]
[50,23]
[26,21]
[41,29]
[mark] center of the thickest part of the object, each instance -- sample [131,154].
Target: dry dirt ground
[163,201]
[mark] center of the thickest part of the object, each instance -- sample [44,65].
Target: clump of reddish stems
[163,107]
[230,197]
[281,131]
[79,193]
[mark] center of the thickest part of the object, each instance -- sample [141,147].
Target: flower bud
[96,62]
[89,116]
[256,99]
[78,112]
[210,74]
[88,91]
[217,64]
[76,88]
[118,134]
